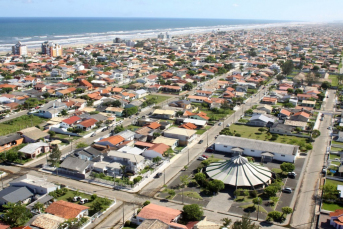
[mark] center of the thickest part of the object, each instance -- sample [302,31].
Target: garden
[20,123]
[331,200]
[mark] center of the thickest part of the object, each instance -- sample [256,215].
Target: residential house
[87,124]
[32,150]
[88,153]
[9,141]
[266,108]
[164,114]
[308,103]
[128,135]
[35,184]
[141,93]
[188,125]
[197,99]
[168,88]
[111,141]
[260,120]
[33,134]
[115,110]
[182,104]
[284,114]
[204,93]
[67,210]
[269,100]
[133,163]
[157,150]
[171,142]
[47,221]
[336,219]
[301,116]
[151,224]
[167,215]
[257,148]
[75,167]
[185,136]
[294,124]
[279,128]
[51,110]
[340,136]
[15,195]
[70,122]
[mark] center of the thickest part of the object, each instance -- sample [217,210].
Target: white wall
[151,154]
[257,153]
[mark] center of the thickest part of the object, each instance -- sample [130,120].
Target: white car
[201,158]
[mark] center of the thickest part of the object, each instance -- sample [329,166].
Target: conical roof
[239,172]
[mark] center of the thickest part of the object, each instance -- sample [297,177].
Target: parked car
[83,201]
[292,174]
[201,141]
[219,124]
[201,158]
[103,130]
[209,150]
[93,135]
[227,125]
[158,175]
[287,190]
[204,156]
[77,198]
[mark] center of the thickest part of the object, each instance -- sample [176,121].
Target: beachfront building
[19,49]
[51,49]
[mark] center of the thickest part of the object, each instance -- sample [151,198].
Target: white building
[257,148]
[19,49]
[35,184]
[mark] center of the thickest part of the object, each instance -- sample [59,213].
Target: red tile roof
[89,122]
[189,126]
[65,209]
[302,113]
[114,140]
[165,214]
[154,125]
[144,144]
[71,120]
[159,148]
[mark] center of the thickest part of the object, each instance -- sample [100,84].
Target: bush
[127,223]
[137,179]
[93,197]
[146,203]
[139,210]
[253,194]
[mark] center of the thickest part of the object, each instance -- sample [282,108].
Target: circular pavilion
[239,172]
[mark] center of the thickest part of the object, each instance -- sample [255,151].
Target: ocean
[68,31]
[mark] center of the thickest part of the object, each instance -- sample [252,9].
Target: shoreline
[65,43]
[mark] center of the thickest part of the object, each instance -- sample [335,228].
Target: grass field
[333,206]
[253,133]
[334,80]
[333,156]
[20,123]
[201,131]
[337,143]
[160,98]
[334,182]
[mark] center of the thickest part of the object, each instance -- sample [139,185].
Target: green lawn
[334,80]
[331,207]
[193,195]
[334,182]
[201,131]
[336,149]
[64,136]
[71,194]
[160,98]
[333,156]
[133,127]
[337,143]
[253,133]
[20,123]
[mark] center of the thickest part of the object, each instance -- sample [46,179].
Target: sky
[297,10]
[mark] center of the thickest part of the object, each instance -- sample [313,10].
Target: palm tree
[123,169]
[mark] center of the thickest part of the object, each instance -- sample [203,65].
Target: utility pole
[188,156]
[123,213]
[164,177]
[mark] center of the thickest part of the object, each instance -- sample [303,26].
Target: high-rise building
[117,40]
[160,36]
[51,49]
[19,49]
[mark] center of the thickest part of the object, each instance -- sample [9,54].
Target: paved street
[304,207]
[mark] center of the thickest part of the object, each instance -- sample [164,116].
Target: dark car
[201,141]
[158,175]
[292,175]
[209,150]
[287,190]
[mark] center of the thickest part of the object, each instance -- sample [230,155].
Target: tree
[184,180]
[192,212]
[51,133]
[287,167]
[315,68]
[252,52]
[315,133]
[38,207]
[274,216]
[81,145]
[298,91]
[123,169]
[7,90]
[210,59]
[271,190]
[245,223]
[325,85]
[30,102]
[130,111]
[156,159]
[200,178]
[290,90]
[55,156]
[261,129]
[64,112]
[298,129]
[287,67]
[100,204]
[286,210]
[156,134]
[226,222]
[16,214]
[273,200]
[257,201]
[188,86]
[330,193]
[147,202]
[118,129]
[215,186]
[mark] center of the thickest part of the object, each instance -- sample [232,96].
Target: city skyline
[313,11]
